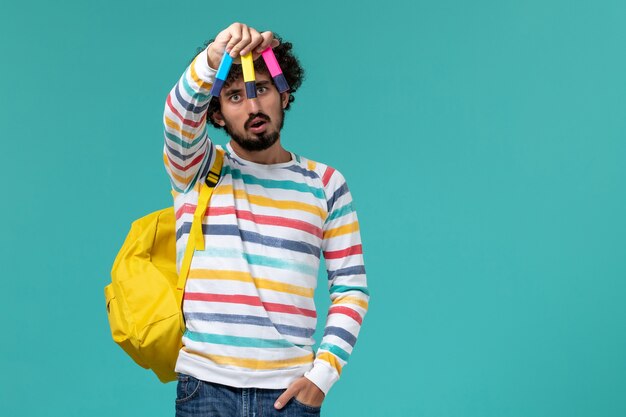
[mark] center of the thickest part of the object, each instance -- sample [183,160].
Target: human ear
[218,118]
[284,98]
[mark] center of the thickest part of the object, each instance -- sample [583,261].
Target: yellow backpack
[144,299]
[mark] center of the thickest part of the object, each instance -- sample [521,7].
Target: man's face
[254,124]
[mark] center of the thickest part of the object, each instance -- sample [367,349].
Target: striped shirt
[248,302]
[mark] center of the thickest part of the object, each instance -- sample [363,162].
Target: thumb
[285,397]
[222,39]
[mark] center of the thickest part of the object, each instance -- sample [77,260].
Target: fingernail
[277,404]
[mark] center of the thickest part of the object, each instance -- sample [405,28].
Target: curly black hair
[289,64]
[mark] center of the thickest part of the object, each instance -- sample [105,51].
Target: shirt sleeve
[188,152]
[347,284]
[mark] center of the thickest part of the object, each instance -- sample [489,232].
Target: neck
[275,154]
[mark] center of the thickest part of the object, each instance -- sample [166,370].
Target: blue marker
[222,74]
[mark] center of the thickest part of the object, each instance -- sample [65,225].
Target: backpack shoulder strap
[196,237]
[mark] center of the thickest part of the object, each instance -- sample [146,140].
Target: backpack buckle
[212,179]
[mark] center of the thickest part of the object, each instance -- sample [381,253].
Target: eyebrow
[231,91]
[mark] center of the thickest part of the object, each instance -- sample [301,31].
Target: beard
[256,142]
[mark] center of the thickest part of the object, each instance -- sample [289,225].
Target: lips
[258,127]
[257,124]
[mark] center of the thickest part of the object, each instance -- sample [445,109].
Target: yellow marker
[247,65]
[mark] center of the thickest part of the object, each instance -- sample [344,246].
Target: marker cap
[281,83]
[251,89]
[216,88]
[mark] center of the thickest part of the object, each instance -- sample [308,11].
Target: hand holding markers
[239,39]
[248,73]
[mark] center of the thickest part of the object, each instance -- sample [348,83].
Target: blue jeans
[195,398]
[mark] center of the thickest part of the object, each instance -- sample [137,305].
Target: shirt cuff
[322,375]
[204,71]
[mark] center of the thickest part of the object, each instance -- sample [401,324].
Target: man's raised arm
[188,151]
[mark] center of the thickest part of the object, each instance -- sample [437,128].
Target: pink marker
[275,71]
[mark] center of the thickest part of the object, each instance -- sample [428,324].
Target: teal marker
[222,74]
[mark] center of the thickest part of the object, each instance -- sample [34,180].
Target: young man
[248,303]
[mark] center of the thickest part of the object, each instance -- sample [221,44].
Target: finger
[245,41]
[268,40]
[255,40]
[234,33]
[221,40]
[285,397]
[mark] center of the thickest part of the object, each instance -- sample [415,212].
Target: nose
[253,105]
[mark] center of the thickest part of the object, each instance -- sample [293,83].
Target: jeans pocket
[187,388]
[306,407]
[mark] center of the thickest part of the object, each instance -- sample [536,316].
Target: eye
[235,98]
[261,90]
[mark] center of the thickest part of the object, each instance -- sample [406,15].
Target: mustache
[262,116]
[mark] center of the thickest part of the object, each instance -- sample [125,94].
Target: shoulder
[331,179]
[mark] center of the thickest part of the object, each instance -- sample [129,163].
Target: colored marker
[247,65]
[275,71]
[222,74]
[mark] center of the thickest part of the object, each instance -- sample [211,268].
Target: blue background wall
[484,143]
